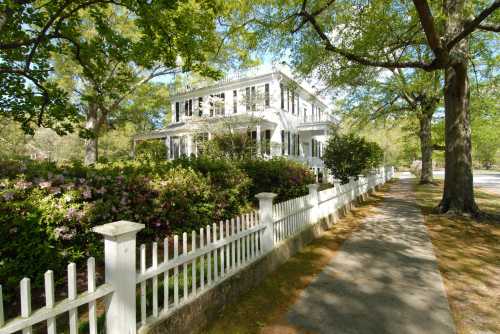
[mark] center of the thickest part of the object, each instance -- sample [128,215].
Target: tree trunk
[92,126]
[458,195]
[426,146]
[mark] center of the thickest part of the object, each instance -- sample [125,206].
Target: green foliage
[98,38]
[350,155]
[47,210]
[227,145]
[154,150]
[281,176]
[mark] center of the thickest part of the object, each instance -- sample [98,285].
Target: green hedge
[47,211]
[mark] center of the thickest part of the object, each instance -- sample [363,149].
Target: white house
[285,117]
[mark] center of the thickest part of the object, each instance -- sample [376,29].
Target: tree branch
[358,58]
[429,27]
[489,27]
[474,24]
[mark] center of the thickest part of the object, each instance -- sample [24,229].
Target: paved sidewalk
[384,279]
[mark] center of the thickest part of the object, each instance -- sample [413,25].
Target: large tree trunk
[91,143]
[458,195]
[426,146]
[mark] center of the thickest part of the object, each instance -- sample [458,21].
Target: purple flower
[8,195]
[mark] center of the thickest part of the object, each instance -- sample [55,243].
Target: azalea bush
[48,210]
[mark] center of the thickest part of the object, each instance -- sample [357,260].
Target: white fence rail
[188,267]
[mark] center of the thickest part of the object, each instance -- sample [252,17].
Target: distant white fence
[195,265]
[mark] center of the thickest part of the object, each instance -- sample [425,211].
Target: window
[235,101]
[200,106]
[177,111]
[305,114]
[200,140]
[186,107]
[220,102]
[293,102]
[190,111]
[282,92]
[174,148]
[293,144]
[267,137]
[266,95]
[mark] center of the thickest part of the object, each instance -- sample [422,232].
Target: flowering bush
[47,211]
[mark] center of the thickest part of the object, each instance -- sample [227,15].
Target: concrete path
[384,279]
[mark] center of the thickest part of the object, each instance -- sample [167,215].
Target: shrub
[286,178]
[351,155]
[47,211]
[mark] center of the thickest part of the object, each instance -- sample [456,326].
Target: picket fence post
[120,273]
[266,219]
[314,202]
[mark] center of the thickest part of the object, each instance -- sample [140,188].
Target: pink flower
[55,190]
[87,193]
[22,185]
[101,190]
[45,184]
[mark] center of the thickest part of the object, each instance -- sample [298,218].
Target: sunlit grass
[468,252]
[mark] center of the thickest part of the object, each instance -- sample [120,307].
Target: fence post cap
[266,195]
[313,186]
[118,229]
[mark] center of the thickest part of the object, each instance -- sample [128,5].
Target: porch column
[189,145]
[258,141]
[167,146]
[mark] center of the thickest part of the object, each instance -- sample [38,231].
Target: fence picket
[155,280]
[222,249]
[2,316]
[202,260]
[228,258]
[91,288]
[26,302]
[215,253]
[143,285]
[185,266]
[50,300]
[193,264]
[233,250]
[209,259]
[176,271]
[166,278]
[73,313]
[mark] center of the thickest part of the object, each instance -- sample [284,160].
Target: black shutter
[266,93]
[177,111]
[282,142]
[282,96]
[200,106]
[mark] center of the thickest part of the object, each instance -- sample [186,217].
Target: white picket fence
[197,263]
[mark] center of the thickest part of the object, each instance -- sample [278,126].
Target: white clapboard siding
[28,318]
